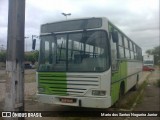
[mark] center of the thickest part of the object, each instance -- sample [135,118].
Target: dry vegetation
[29,75]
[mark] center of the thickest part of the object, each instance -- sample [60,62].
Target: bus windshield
[75,52]
[148,62]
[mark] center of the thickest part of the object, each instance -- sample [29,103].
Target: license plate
[67,100]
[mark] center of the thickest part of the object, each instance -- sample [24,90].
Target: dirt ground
[151,93]
[30,85]
[31,89]
[150,97]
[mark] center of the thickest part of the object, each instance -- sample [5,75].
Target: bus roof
[85,18]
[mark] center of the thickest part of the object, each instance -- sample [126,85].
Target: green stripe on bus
[52,83]
[117,78]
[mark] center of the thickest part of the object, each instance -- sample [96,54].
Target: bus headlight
[99,92]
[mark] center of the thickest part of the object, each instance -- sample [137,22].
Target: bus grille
[60,84]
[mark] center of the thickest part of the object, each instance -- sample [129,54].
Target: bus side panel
[134,70]
[131,81]
[117,78]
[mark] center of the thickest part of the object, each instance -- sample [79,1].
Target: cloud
[138,19]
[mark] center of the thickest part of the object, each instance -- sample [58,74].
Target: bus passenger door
[116,74]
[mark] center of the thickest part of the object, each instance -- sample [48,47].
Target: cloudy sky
[139,19]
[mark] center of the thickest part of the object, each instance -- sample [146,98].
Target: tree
[36,55]
[149,52]
[32,56]
[156,52]
[2,56]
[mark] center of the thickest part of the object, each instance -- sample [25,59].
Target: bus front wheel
[121,93]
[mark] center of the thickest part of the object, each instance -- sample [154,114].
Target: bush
[31,56]
[28,56]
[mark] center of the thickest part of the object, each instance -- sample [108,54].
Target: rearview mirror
[33,44]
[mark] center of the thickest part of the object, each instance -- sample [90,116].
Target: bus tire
[122,89]
[121,93]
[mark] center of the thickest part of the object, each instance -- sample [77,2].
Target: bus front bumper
[91,102]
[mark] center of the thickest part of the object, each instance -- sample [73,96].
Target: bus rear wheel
[121,91]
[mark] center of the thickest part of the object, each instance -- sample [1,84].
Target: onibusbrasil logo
[23,114]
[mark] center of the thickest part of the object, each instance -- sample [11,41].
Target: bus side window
[120,46]
[113,53]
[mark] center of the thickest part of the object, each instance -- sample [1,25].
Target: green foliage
[2,56]
[29,56]
[156,52]
[149,51]
[32,56]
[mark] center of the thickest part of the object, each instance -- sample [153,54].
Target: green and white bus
[86,62]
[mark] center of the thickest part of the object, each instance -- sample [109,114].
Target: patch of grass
[141,87]
[140,99]
[129,100]
[158,83]
[140,93]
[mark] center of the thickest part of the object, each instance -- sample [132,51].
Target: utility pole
[14,99]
